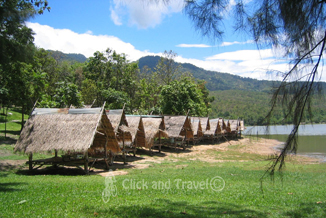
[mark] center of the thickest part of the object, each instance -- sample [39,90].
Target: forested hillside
[71,58]
[215,80]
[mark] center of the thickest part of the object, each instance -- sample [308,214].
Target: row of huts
[84,136]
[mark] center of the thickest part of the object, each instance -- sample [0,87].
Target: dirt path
[205,152]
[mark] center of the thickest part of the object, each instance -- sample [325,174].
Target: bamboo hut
[179,130]
[205,125]
[119,122]
[211,134]
[197,129]
[234,128]
[154,132]
[136,129]
[223,127]
[241,127]
[227,127]
[84,135]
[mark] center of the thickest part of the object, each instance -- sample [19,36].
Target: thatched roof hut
[178,127]
[136,129]
[154,128]
[228,126]
[67,130]
[234,125]
[120,124]
[222,126]
[213,128]
[242,126]
[205,125]
[196,127]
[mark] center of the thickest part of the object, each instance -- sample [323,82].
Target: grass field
[166,190]
[182,187]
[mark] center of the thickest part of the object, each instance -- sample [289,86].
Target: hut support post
[55,155]
[106,154]
[124,149]
[187,142]
[159,138]
[30,159]
[86,163]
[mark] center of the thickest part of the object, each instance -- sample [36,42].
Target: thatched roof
[222,125]
[178,126]
[205,125]
[196,126]
[242,126]
[154,128]
[136,128]
[117,118]
[217,127]
[66,129]
[213,127]
[227,126]
[234,125]
[120,125]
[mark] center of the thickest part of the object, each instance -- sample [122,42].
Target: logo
[110,187]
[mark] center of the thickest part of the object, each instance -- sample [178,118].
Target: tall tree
[16,47]
[181,96]
[297,26]
[167,69]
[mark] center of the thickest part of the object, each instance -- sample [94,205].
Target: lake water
[311,140]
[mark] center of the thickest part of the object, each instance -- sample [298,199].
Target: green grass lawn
[166,190]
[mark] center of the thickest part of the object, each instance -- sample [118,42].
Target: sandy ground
[202,152]
[205,153]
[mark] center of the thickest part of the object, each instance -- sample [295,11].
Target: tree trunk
[23,111]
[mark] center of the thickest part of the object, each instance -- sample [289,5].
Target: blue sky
[139,28]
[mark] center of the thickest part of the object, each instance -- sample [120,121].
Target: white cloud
[193,46]
[243,55]
[89,32]
[236,43]
[70,42]
[115,18]
[144,14]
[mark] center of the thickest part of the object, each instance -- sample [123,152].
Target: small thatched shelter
[136,129]
[178,129]
[216,129]
[120,124]
[211,133]
[154,129]
[242,126]
[222,126]
[81,133]
[196,128]
[205,125]
[234,127]
[228,126]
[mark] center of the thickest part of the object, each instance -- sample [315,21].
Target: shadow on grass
[10,186]
[7,140]
[167,208]
[11,132]
[51,170]
[315,209]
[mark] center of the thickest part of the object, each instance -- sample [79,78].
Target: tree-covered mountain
[71,57]
[215,80]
